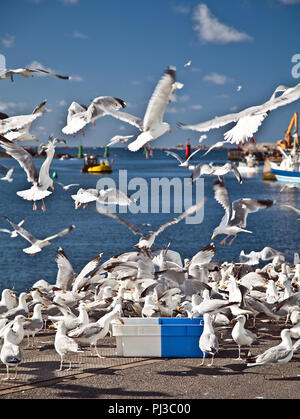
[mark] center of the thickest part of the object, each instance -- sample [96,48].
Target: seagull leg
[212,361]
[146,152]
[16,372]
[83,132]
[239,357]
[43,206]
[232,240]
[224,240]
[7,374]
[34,206]
[202,363]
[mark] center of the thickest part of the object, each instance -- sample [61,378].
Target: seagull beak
[212,237]
[234,320]
[28,320]
[122,321]
[52,187]
[94,123]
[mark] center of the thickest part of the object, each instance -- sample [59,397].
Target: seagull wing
[204,256]
[22,156]
[190,211]
[171,153]
[126,117]
[135,229]
[217,122]
[242,207]
[221,196]
[118,138]
[236,173]
[192,154]
[159,99]
[89,267]
[48,73]
[20,230]
[61,233]
[245,128]
[65,272]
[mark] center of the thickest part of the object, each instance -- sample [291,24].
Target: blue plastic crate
[180,337]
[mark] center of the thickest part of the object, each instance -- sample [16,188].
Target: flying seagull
[37,245]
[234,220]
[209,169]
[21,123]
[147,239]
[182,163]
[152,125]
[29,72]
[248,120]
[42,181]
[80,115]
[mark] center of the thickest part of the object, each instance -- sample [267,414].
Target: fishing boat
[92,165]
[250,164]
[288,171]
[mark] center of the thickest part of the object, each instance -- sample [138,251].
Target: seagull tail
[33,194]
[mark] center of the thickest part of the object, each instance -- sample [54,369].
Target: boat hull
[286,176]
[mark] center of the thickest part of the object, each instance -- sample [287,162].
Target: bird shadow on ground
[79,391]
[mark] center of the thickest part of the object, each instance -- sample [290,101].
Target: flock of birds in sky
[147,282]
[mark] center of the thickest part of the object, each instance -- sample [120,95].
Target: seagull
[239,88]
[209,169]
[202,137]
[21,122]
[242,336]
[20,310]
[63,344]
[8,176]
[67,187]
[8,300]
[119,138]
[103,196]
[35,325]
[208,342]
[42,181]
[235,219]
[182,163]
[92,332]
[37,245]
[147,239]
[10,354]
[152,125]
[22,133]
[249,120]
[80,115]
[279,354]
[71,321]
[188,63]
[253,257]
[29,72]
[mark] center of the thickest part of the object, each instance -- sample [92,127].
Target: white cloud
[210,29]
[8,40]
[12,106]
[62,103]
[216,78]
[196,107]
[79,35]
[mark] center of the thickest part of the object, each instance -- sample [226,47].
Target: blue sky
[121,48]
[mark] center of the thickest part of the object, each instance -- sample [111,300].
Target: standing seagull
[37,245]
[42,181]
[208,342]
[242,336]
[152,125]
[279,354]
[234,221]
[11,354]
[249,120]
[64,345]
